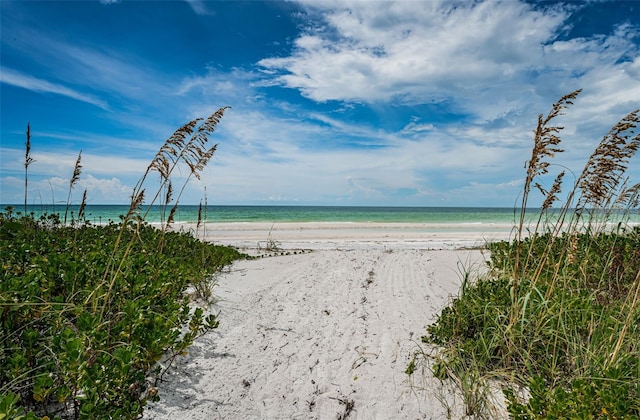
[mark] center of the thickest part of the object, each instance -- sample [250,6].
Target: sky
[407,103]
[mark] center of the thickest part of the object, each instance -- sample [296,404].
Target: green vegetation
[88,311]
[555,322]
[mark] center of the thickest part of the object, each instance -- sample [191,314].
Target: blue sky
[409,103]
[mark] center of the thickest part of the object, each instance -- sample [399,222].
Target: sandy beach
[325,327]
[351,235]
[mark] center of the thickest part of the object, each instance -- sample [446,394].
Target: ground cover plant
[87,311]
[555,322]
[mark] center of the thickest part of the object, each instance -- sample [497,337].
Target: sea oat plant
[188,145]
[28,160]
[557,315]
[87,312]
[545,145]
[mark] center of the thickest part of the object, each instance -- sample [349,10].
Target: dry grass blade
[28,160]
[182,147]
[545,144]
[161,164]
[169,194]
[195,154]
[77,169]
[167,198]
[199,140]
[166,159]
[27,154]
[172,215]
[210,123]
[187,145]
[629,198]
[83,205]
[604,170]
[178,138]
[192,154]
[629,323]
[546,140]
[136,204]
[172,149]
[203,161]
[552,195]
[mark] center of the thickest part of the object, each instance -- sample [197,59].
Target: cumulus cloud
[467,78]
[471,53]
[99,190]
[413,51]
[110,190]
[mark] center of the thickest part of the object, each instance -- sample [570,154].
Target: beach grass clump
[556,320]
[88,312]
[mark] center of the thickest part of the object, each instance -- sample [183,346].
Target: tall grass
[86,312]
[75,177]
[28,160]
[556,320]
[188,146]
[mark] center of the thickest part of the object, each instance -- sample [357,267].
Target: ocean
[223,214]
[99,214]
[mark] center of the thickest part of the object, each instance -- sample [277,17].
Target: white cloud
[262,156]
[200,7]
[413,51]
[63,163]
[496,65]
[227,87]
[414,127]
[632,69]
[108,178]
[100,70]
[110,71]
[489,59]
[29,82]
[11,190]
[107,189]
[99,190]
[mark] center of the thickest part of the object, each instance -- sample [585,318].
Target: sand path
[318,335]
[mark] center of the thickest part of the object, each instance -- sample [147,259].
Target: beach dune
[324,329]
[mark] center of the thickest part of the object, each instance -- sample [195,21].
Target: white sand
[302,335]
[336,235]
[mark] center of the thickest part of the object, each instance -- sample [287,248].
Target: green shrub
[66,340]
[87,311]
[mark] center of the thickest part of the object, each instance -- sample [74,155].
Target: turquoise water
[221,214]
[186,214]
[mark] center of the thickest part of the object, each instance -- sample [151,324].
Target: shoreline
[350,235]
